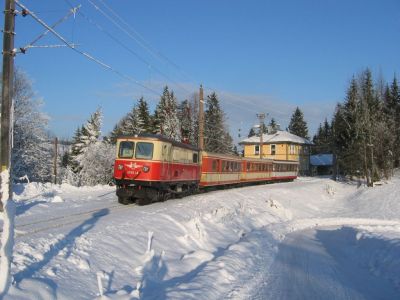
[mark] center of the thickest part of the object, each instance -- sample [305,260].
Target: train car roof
[159,137]
[219,155]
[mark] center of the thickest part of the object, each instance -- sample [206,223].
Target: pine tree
[216,136]
[392,112]
[297,124]
[363,130]
[323,139]
[252,132]
[131,124]
[85,136]
[166,119]
[185,115]
[273,125]
[144,116]
[117,131]
[347,133]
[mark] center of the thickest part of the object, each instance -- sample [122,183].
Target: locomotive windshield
[144,150]
[126,149]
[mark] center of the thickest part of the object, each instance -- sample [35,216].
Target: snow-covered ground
[310,239]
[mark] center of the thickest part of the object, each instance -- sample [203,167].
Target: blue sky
[259,56]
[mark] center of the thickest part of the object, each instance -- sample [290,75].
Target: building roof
[321,160]
[277,137]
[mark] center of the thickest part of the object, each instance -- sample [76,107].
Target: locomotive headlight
[120,167]
[146,169]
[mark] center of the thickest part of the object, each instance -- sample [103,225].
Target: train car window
[214,165]
[164,152]
[144,150]
[195,157]
[126,149]
[248,166]
[223,165]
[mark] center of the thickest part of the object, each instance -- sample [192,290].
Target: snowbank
[79,242]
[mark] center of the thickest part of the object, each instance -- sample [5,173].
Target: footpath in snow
[310,239]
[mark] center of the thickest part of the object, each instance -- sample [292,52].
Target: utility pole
[261,117]
[7,92]
[201,118]
[55,160]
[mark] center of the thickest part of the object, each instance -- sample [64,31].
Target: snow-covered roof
[321,160]
[277,137]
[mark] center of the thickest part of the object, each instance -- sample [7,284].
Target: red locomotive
[151,168]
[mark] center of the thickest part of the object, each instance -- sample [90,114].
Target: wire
[111,36]
[144,44]
[72,11]
[126,47]
[90,57]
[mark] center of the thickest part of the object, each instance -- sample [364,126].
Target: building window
[256,149]
[273,147]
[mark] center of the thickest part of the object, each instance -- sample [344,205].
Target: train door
[165,163]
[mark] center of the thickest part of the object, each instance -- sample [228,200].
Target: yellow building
[280,145]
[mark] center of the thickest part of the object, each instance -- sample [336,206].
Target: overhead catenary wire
[88,56]
[72,11]
[133,34]
[145,44]
[156,53]
[111,36]
[126,47]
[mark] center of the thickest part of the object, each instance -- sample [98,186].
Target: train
[152,168]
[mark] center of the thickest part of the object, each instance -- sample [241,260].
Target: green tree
[298,125]
[323,138]
[216,135]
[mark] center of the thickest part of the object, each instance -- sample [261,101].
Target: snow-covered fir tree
[364,131]
[117,131]
[216,136]
[185,115]
[97,164]
[144,116]
[166,120]
[32,151]
[298,125]
[85,136]
[347,126]
[131,124]
[137,121]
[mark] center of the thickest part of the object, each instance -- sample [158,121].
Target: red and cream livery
[151,168]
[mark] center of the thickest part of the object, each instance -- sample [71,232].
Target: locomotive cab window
[144,150]
[126,149]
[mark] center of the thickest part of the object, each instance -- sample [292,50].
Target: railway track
[61,221]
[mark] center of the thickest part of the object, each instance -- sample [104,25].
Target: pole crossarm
[71,12]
